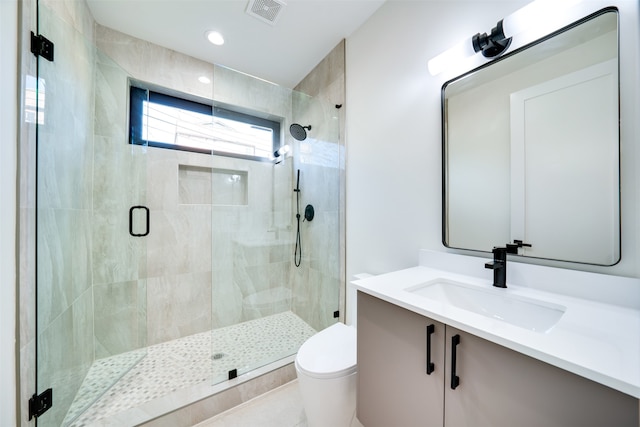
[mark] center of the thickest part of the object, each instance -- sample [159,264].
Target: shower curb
[238,391]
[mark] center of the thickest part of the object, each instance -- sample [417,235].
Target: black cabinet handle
[133,208]
[455,380]
[430,366]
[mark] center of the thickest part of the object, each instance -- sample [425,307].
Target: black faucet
[499,264]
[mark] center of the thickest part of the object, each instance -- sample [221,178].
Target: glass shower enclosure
[160,270]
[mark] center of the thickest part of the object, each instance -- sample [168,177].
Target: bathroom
[393,194]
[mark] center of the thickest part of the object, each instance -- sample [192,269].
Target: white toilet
[326,368]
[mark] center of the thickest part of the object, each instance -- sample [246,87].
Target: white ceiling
[284,53]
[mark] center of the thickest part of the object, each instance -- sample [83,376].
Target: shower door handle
[134,208]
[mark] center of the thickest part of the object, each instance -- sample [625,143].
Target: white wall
[8,114]
[393,128]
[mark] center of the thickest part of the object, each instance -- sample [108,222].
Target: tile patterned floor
[188,361]
[281,407]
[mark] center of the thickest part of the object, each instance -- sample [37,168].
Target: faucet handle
[494,265]
[512,248]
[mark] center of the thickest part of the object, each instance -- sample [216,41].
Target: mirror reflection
[531,148]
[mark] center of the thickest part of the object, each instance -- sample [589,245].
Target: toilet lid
[330,353]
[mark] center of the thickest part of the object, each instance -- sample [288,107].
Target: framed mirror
[531,148]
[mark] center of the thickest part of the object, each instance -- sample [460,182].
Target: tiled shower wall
[236,267]
[195,244]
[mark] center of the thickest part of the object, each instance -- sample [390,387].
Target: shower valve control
[309,213]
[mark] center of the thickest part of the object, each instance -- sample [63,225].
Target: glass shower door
[318,157]
[265,304]
[90,223]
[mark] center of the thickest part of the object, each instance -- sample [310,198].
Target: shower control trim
[309,213]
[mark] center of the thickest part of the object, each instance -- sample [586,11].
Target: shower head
[298,131]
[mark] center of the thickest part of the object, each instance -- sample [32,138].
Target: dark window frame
[138,94]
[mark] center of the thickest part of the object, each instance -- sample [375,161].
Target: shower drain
[218,356]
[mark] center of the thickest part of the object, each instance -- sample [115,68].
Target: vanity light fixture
[493,44]
[215,38]
[541,15]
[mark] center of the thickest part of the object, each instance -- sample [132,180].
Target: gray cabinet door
[500,387]
[394,389]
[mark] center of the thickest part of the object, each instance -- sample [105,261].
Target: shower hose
[297,255]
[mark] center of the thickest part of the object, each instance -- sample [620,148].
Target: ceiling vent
[266,10]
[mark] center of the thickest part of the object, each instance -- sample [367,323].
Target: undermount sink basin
[528,313]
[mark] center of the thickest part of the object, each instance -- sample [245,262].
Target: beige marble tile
[64,263]
[117,312]
[179,241]
[330,69]
[154,64]
[118,257]
[74,13]
[226,299]
[59,367]
[112,95]
[27,294]
[281,407]
[27,379]
[178,306]
[234,88]
[162,179]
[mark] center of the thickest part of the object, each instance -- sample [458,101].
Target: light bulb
[539,14]
[215,38]
[449,58]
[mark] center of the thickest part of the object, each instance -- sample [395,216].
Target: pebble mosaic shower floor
[173,365]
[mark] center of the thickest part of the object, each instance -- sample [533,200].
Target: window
[165,121]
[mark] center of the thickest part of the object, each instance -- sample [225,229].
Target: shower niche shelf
[199,185]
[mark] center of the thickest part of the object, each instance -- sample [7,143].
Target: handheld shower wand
[297,255]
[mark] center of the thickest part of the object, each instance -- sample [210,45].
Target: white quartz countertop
[598,341]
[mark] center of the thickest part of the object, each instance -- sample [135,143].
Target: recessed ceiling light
[215,38]
[204,79]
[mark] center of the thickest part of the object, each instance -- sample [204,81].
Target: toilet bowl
[326,369]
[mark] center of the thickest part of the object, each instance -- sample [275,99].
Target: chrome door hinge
[41,46]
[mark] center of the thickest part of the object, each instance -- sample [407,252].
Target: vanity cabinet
[497,386]
[394,388]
